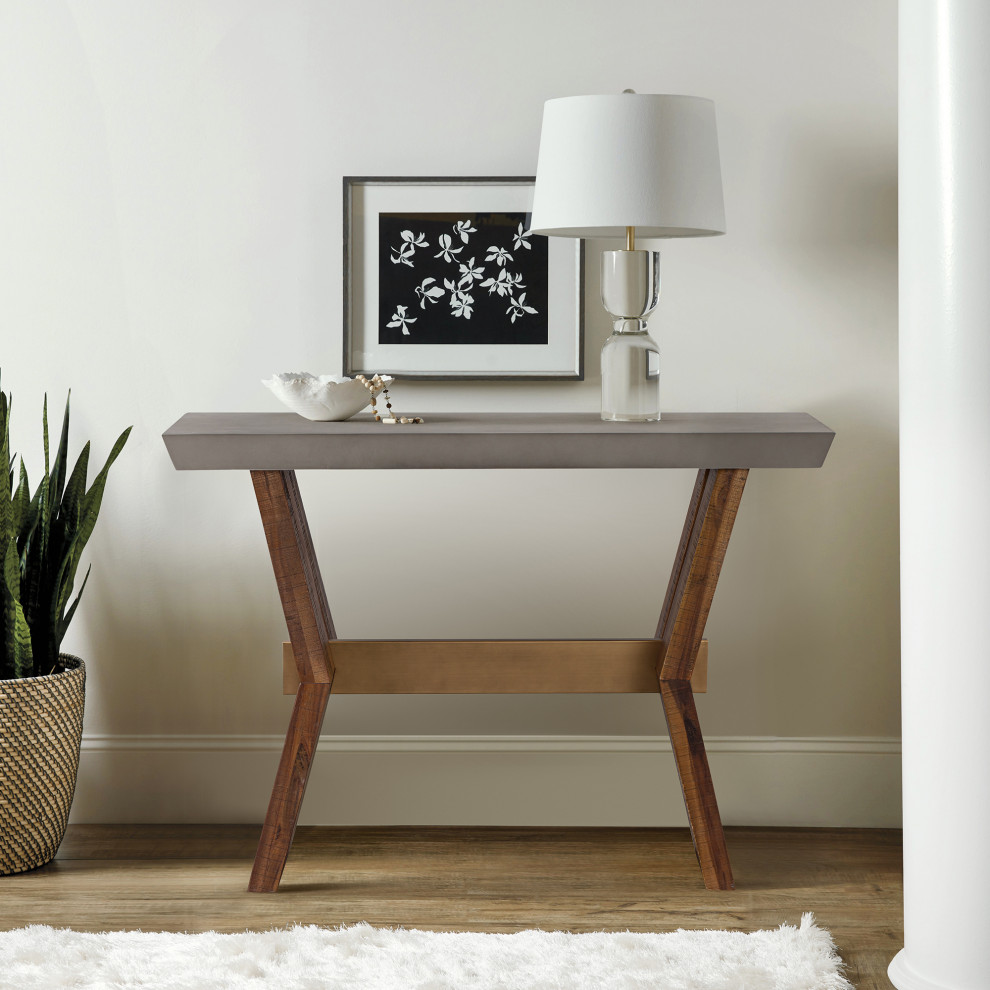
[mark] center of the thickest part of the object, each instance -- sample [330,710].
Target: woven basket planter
[41,720]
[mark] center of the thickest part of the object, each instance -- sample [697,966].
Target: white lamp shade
[630,160]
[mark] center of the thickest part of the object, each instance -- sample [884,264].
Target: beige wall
[171,201]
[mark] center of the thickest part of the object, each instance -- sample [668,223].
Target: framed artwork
[442,280]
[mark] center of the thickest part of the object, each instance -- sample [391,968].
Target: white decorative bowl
[323,397]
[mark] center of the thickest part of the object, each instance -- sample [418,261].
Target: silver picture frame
[375,341]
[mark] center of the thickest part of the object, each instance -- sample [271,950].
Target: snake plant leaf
[6,457]
[93,499]
[22,652]
[88,510]
[6,476]
[44,516]
[6,516]
[61,456]
[65,530]
[44,430]
[19,506]
[113,455]
[36,585]
[75,488]
[17,635]
[65,507]
[63,622]
[29,523]
[64,580]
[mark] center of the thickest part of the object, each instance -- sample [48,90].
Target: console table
[722,447]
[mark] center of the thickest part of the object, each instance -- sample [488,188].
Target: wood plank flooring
[194,878]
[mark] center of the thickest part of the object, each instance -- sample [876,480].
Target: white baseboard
[490,780]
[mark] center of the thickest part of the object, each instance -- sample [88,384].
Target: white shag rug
[366,958]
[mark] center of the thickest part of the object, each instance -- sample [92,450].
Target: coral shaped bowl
[322,397]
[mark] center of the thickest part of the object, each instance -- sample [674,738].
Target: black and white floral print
[521,239]
[399,319]
[469,274]
[461,301]
[498,254]
[403,252]
[464,228]
[446,251]
[501,283]
[471,278]
[428,292]
[461,304]
[518,307]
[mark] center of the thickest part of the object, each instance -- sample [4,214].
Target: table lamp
[615,166]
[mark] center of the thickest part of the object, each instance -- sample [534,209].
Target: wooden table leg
[310,625]
[693,579]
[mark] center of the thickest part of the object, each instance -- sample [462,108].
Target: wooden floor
[194,878]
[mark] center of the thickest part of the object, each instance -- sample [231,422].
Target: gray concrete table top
[286,442]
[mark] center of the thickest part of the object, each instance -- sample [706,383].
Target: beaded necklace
[390,418]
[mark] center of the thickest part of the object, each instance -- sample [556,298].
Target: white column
[945,492]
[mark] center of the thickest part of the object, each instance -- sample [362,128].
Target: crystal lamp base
[630,357]
[630,375]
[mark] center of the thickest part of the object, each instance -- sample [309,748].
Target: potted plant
[42,690]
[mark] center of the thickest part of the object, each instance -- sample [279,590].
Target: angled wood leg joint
[693,579]
[310,625]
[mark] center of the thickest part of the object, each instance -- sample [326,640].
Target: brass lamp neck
[630,238]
